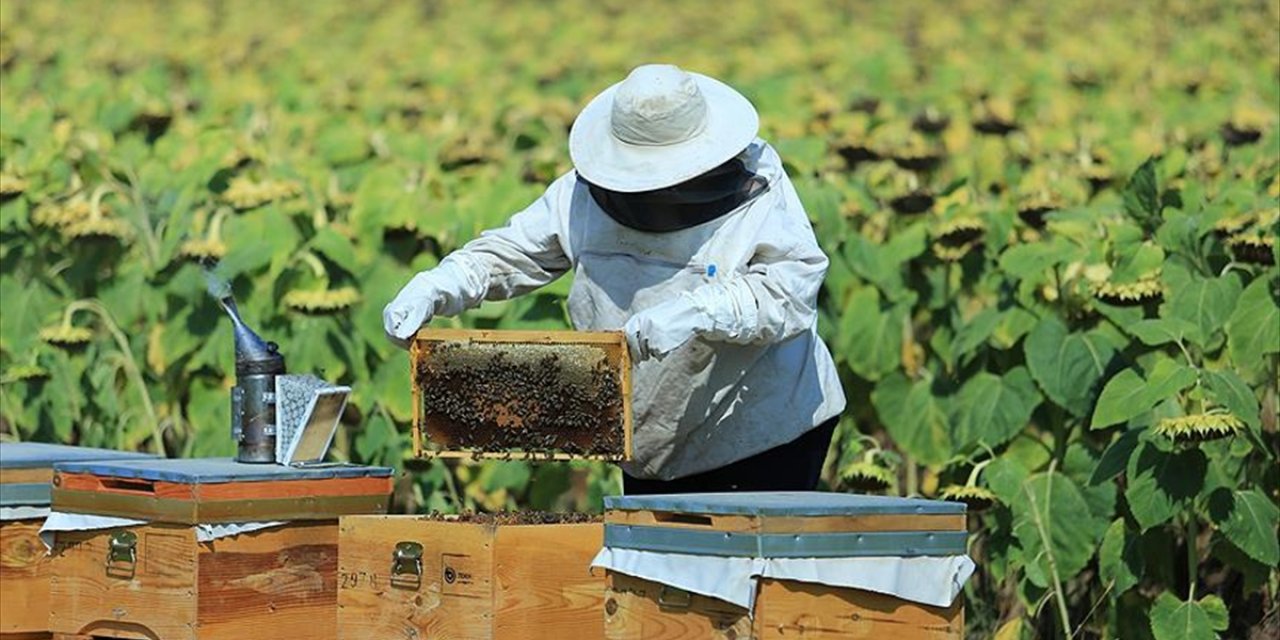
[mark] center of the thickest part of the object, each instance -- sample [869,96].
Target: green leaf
[1158,331]
[1174,619]
[1248,519]
[993,409]
[1234,394]
[1116,458]
[976,331]
[1068,366]
[1127,395]
[1119,560]
[1203,302]
[27,306]
[1161,483]
[914,417]
[337,248]
[1142,195]
[1046,515]
[1253,329]
[871,334]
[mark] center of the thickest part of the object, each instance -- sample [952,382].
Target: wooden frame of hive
[613,343]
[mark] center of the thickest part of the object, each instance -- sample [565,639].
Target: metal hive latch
[122,554]
[406,565]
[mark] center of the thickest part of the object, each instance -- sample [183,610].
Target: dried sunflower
[26,373]
[978,499]
[97,229]
[1246,124]
[321,301]
[203,250]
[54,216]
[865,476]
[1199,427]
[66,336]
[1253,248]
[994,116]
[955,238]
[1231,225]
[1129,293]
[244,193]
[11,185]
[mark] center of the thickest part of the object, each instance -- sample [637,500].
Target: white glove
[413,307]
[659,330]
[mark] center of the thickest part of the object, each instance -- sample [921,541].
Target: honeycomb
[494,397]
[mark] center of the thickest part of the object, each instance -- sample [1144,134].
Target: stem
[1058,595]
[913,476]
[132,371]
[1193,561]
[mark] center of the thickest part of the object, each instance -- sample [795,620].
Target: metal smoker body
[253,399]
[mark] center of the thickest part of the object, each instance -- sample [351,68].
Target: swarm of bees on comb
[536,399]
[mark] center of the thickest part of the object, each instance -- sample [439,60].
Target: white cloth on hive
[934,581]
[60,521]
[22,513]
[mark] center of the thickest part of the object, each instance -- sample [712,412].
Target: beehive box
[430,577]
[159,580]
[779,525]
[26,473]
[521,394]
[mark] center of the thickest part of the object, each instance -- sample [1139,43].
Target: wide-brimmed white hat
[660,126]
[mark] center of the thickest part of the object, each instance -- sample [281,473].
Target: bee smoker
[253,398]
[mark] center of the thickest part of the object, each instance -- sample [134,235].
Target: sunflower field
[1053,290]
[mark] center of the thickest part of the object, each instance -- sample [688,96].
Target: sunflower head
[11,185]
[57,216]
[244,193]
[1200,427]
[1254,248]
[977,499]
[1231,225]
[97,229]
[1129,293]
[203,251]
[26,373]
[66,336]
[321,301]
[953,239]
[865,477]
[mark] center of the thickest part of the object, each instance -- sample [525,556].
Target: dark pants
[794,466]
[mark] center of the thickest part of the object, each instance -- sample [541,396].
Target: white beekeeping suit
[719,310]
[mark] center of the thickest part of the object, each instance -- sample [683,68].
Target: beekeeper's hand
[413,307]
[661,329]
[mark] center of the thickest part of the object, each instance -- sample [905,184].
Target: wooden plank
[156,601]
[543,586]
[787,609]
[633,612]
[818,524]
[207,492]
[453,599]
[191,512]
[24,579]
[525,336]
[36,475]
[275,583]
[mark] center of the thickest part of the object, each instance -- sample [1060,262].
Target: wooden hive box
[552,395]
[26,474]
[779,525]
[172,577]
[428,577]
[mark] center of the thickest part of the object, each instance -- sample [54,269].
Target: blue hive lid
[36,455]
[782,503]
[215,470]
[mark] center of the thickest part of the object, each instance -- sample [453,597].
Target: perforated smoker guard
[26,469]
[780,525]
[211,490]
[307,413]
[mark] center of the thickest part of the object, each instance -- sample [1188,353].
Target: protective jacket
[734,298]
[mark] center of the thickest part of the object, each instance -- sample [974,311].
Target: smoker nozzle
[253,354]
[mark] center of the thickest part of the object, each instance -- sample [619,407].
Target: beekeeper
[682,229]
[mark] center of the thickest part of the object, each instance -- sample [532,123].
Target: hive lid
[40,455]
[788,503]
[217,470]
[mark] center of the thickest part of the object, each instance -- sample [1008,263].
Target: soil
[489,397]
